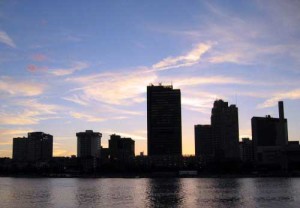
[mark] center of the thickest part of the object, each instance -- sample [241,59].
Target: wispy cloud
[189,59]
[271,34]
[226,57]
[34,68]
[28,112]
[290,95]
[199,101]
[119,88]
[39,57]
[20,88]
[135,135]
[81,100]
[86,117]
[67,71]
[207,80]
[108,108]
[14,132]
[6,135]
[4,38]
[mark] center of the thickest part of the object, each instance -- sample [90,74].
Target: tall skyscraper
[246,150]
[163,120]
[88,144]
[225,126]
[220,140]
[121,148]
[38,146]
[204,146]
[269,134]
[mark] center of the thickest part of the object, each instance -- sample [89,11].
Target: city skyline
[70,66]
[222,133]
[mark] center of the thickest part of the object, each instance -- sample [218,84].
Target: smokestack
[281,110]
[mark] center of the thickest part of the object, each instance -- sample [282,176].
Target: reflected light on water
[169,192]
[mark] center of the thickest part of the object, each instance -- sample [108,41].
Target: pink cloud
[34,68]
[39,57]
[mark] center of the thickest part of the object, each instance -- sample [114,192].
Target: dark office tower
[225,127]
[164,120]
[246,150]
[121,148]
[20,148]
[268,132]
[37,147]
[88,144]
[204,146]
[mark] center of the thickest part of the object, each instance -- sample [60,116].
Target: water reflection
[28,193]
[88,193]
[219,193]
[164,192]
[273,191]
[184,192]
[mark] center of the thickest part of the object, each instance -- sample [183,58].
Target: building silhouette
[204,146]
[246,150]
[38,146]
[270,137]
[225,125]
[164,120]
[88,144]
[220,140]
[121,148]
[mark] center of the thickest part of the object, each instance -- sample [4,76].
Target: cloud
[86,117]
[114,110]
[27,112]
[215,80]
[7,135]
[4,38]
[34,68]
[290,95]
[266,38]
[77,99]
[67,71]
[227,57]
[135,135]
[199,101]
[20,88]
[119,88]
[14,132]
[39,57]
[189,59]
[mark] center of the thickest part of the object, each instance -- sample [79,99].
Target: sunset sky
[71,65]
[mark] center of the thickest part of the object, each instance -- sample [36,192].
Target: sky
[72,65]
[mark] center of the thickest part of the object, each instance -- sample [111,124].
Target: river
[147,192]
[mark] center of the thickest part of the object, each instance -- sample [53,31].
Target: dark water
[189,192]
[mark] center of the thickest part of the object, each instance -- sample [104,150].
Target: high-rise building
[269,135]
[37,147]
[220,140]
[246,150]
[225,126]
[20,148]
[164,120]
[88,144]
[121,148]
[204,146]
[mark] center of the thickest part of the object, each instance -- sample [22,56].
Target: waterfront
[147,192]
